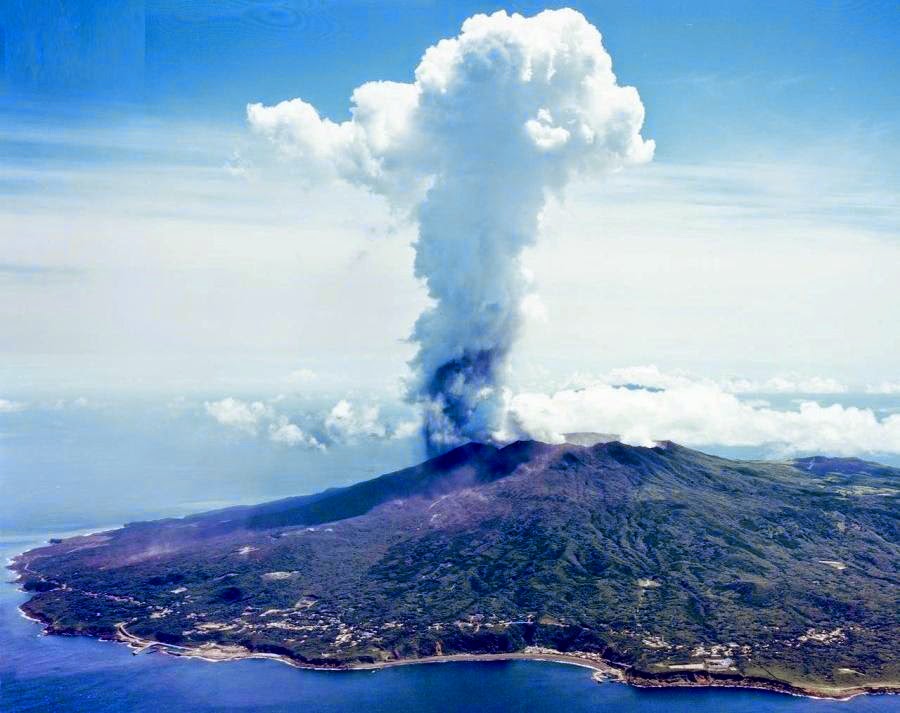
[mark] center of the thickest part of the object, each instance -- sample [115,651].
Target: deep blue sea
[50,673]
[89,468]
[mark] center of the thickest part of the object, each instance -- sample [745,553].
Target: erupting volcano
[496,120]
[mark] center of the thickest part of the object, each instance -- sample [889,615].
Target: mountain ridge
[680,566]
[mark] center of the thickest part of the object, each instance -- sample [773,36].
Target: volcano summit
[664,564]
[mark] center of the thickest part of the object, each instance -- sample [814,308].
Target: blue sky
[148,241]
[98,94]
[717,78]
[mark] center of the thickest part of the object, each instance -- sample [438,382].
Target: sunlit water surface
[86,469]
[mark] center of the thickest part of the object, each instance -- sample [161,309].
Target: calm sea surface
[51,673]
[83,469]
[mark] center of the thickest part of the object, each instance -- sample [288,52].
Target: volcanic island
[658,566]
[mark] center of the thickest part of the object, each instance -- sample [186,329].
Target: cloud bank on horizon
[344,423]
[702,413]
[640,405]
[497,119]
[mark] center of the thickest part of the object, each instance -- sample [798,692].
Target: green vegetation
[681,566]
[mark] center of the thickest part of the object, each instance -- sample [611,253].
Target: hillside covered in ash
[677,566]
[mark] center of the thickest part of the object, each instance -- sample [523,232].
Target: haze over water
[90,469]
[187,322]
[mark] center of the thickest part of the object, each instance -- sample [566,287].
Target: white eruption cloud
[497,118]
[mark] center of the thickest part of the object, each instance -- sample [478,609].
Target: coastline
[216,653]
[603,670]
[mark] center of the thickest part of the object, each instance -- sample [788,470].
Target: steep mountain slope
[679,566]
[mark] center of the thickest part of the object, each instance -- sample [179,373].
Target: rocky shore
[603,670]
[667,566]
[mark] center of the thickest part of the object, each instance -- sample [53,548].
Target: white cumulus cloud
[885,387]
[242,415]
[651,376]
[346,422]
[290,434]
[787,385]
[702,413]
[7,406]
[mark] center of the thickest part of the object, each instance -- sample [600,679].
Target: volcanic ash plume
[497,118]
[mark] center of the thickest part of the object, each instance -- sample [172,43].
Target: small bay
[72,674]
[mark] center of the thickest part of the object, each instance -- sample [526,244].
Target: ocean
[72,674]
[91,467]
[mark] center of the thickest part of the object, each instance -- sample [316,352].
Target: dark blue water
[50,673]
[89,467]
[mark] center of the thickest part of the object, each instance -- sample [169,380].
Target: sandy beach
[217,653]
[603,670]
